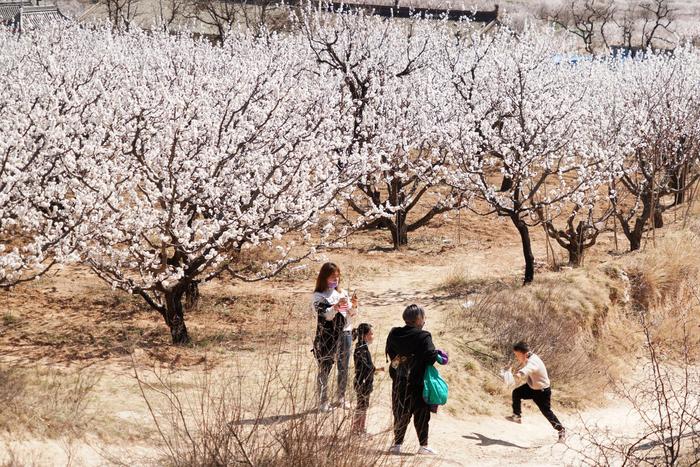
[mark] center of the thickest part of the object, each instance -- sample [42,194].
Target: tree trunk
[658,218]
[575,254]
[399,232]
[679,184]
[175,316]
[635,235]
[192,296]
[527,248]
[635,242]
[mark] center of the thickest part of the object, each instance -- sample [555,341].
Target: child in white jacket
[533,382]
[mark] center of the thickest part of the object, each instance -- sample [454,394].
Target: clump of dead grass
[461,282]
[665,291]
[46,401]
[659,274]
[220,421]
[563,316]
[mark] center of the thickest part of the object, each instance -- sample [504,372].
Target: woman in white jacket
[334,312]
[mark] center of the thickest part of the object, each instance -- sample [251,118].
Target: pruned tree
[171,12]
[387,99]
[659,138]
[589,20]
[196,156]
[657,19]
[222,16]
[581,231]
[647,25]
[227,17]
[122,13]
[518,128]
[230,158]
[587,212]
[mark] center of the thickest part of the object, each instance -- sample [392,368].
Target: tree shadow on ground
[273,419]
[486,441]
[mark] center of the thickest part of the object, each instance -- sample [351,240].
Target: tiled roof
[37,16]
[24,15]
[8,10]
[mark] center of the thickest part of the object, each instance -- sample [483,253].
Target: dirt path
[461,440]
[470,440]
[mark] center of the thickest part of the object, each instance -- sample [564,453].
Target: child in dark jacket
[364,375]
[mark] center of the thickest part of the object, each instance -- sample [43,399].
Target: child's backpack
[434,387]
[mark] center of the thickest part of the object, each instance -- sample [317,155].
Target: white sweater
[535,372]
[332,296]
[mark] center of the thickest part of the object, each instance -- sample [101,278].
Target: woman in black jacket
[410,349]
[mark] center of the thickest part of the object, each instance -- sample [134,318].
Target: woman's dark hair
[412,313]
[327,270]
[361,331]
[521,346]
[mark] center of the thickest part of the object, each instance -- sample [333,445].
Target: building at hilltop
[25,15]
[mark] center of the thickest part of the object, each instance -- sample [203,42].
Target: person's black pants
[541,397]
[407,402]
[362,402]
[325,365]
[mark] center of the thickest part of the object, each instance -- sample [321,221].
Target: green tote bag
[434,387]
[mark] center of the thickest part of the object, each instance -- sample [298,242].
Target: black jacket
[364,370]
[327,332]
[410,350]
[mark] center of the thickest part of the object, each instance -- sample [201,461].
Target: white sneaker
[514,418]
[324,407]
[562,436]
[395,449]
[427,450]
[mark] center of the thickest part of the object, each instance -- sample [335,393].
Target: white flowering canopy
[172,155]
[387,84]
[519,115]
[50,116]
[162,160]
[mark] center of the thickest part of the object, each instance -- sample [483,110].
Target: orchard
[160,161]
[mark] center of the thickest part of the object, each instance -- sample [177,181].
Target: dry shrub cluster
[220,421]
[45,401]
[562,317]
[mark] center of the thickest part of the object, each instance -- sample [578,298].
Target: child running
[364,376]
[534,384]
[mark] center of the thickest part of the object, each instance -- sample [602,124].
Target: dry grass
[581,321]
[74,317]
[220,422]
[46,401]
[659,274]
[575,319]
[665,290]
[463,283]
[563,318]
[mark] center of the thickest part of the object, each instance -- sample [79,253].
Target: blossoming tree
[193,155]
[520,139]
[387,97]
